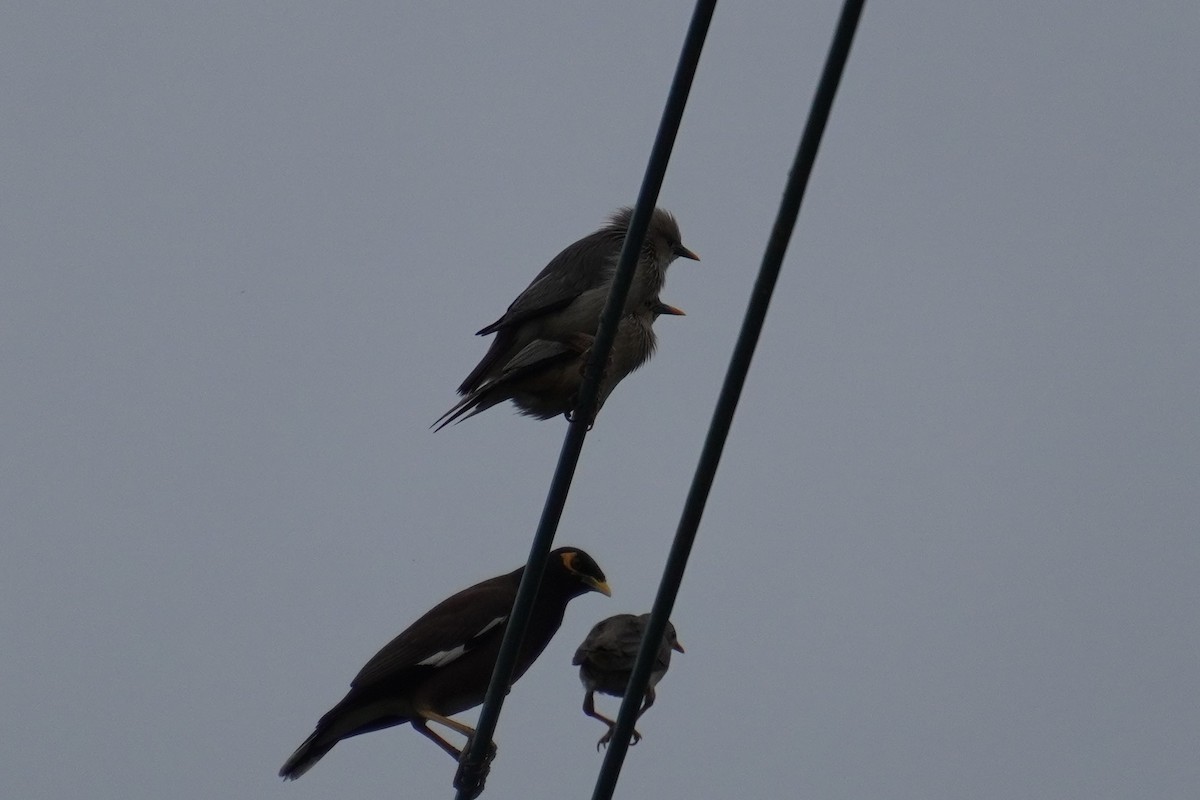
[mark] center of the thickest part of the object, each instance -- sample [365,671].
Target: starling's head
[663,240]
[581,567]
[664,235]
[669,635]
[672,638]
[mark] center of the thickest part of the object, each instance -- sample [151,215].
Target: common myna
[605,661]
[567,296]
[442,663]
[543,380]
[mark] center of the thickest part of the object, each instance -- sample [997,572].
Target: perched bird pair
[543,380]
[605,661]
[442,663]
[543,341]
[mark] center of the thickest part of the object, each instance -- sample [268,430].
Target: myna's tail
[309,753]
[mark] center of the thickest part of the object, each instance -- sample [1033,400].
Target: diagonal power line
[735,378]
[473,768]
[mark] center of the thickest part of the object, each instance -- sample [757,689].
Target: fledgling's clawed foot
[606,738]
[570,417]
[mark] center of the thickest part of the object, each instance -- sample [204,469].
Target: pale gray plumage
[605,660]
[567,296]
[544,378]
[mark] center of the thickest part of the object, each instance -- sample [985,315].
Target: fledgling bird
[544,379]
[567,296]
[442,663]
[605,661]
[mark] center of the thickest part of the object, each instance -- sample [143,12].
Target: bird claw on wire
[570,416]
[471,776]
[606,738]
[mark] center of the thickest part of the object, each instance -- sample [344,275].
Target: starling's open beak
[677,647]
[682,252]
[597,586]
[662,308]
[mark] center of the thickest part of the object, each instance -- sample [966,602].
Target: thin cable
[472,769]
[735,378]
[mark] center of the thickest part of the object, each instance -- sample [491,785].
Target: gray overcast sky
[953,547]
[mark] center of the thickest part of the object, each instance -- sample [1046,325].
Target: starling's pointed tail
[469,406]
[306,755]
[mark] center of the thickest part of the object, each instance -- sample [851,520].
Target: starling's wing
[455,626]
[586,264]
[589,642]
[541,354]
[607,646]
[520,373]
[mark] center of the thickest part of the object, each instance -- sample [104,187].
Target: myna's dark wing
[450,629]
[587,264]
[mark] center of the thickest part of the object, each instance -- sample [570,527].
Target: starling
[442,663]
[567,296]
[605,661]
[543,380]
